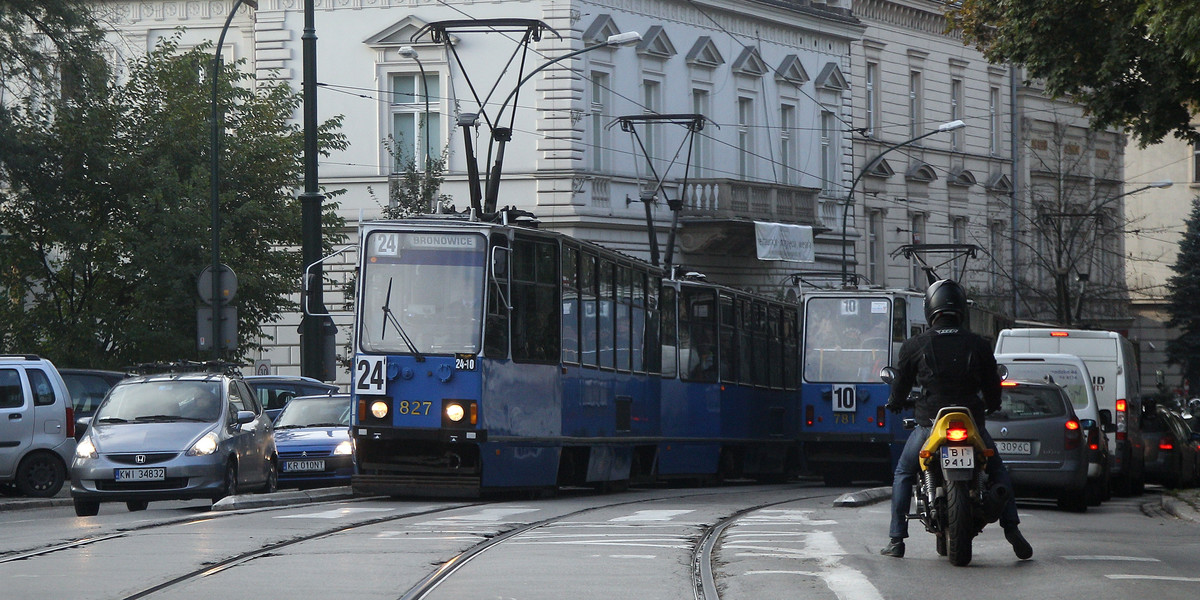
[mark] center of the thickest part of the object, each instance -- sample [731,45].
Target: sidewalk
[1183,504]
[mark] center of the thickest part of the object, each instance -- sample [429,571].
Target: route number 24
[369,374]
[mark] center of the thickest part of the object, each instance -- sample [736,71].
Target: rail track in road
[700,552]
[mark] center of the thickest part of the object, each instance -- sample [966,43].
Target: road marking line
[1121,558]
[335,514]
[650,515]
[1154,577]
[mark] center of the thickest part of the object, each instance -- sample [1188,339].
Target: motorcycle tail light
[957,431]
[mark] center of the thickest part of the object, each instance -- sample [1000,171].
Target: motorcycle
[953,496]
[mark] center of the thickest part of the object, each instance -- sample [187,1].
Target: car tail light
[880,416]
[1121,416]
[1166,443]
[1093,439]
[957,431]
[1059,334]
[70,422]
[1073,435]
[808,415]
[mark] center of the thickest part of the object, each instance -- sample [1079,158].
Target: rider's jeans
[905,477]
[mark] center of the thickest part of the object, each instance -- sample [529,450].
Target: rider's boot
[894,548]
[1020,546]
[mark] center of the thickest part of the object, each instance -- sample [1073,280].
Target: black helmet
[945,296]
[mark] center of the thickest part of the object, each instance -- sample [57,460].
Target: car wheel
[1094,492]
[229,488]
[41,475]
[1073,501]
[272,483]
[86,508]
[136,505]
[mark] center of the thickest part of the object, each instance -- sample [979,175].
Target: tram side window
[698,335]
[762,362]
[624,316]
[608,313]
[669,331]
[899,318]
[495,342]
[651,345]
[745,343]
[729,354]
[588,314]
[791,357]
[775,348]
[570,305]
[535,298]
[637,322]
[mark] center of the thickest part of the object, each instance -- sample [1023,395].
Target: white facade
[783,84]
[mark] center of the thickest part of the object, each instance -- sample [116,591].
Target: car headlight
[344,448]
[205,445]
[85,448]
[379,409]
[455,412]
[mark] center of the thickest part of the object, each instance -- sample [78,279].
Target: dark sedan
[1171,448]
[1043,443]
[312,435]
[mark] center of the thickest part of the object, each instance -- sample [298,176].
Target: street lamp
[944,127]
[503,134]
[410,52]
[214,188]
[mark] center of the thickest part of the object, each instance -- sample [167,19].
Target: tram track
[702,577]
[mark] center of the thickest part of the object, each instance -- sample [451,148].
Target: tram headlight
[455,412]
[379,409]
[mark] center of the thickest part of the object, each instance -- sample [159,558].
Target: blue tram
[497,357]
[849,334]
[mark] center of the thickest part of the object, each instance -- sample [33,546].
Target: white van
[1071,373]
[1111,363]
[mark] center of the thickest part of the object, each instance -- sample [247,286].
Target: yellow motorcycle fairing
[938,436]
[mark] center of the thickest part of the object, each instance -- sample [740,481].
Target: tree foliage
[1130,63]
[1183,302]
[38,38]
[106,210]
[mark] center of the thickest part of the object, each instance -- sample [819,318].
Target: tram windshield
[846,340]
[423,292]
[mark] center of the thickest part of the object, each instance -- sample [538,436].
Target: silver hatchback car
[174,436]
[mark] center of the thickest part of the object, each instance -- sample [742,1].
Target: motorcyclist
[954,367]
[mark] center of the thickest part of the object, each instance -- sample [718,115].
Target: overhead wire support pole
[313,329]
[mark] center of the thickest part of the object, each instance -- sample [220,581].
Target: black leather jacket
[954,367]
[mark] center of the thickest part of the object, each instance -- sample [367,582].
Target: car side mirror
[1106,422]
[81,425]
[1002,371]
[245,416]
[887,375]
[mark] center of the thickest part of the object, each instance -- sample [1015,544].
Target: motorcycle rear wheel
[959,529]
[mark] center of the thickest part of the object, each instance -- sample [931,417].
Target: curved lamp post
[214,188]
[410,52]
[503,134]
[944,127]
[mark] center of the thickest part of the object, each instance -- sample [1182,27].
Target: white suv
[37,427]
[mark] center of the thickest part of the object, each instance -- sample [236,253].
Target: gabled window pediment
[400,34]
[921,172]
[881,169]
[791,71]
[602,27]
[656,44]
[999,183]
[704,53]
[831,78]
[749,63]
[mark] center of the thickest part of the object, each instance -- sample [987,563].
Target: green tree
[1130,63]
[38,38]
[1183,302]
[106,212]
[413,192]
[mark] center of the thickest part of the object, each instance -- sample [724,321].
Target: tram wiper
[387,312]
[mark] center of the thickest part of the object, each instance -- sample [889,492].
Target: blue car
[312,437]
